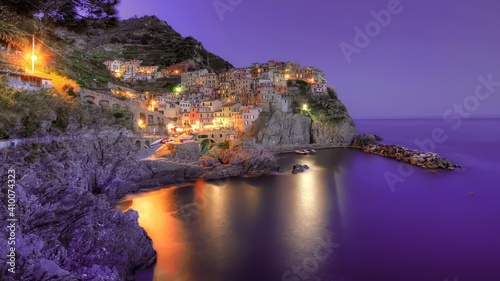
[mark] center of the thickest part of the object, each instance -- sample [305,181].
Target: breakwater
[425,160]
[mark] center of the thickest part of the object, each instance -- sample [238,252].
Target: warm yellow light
[140,122]
[170,126]
[33,58]
[304,107]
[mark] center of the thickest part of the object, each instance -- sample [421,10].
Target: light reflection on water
[222,224]
[165,230]
[429,228]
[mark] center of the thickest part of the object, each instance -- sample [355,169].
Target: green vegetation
[3,134]
[26,114]
[324,109]
[35,151]
[30,126]
[72,14]
[101,79]
[205,146]
[118,114]
[224,145]
[332,93]
[9,32]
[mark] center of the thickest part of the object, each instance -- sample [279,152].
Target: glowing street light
[33,57]
[304,107]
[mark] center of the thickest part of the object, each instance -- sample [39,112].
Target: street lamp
[304,107]
[33,57]
[170,126]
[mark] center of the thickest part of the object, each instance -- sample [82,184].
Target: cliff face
[310,119]
[279,128]
[65,192]
[66,229]
[340,132]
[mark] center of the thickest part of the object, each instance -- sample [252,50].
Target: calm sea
[352,216]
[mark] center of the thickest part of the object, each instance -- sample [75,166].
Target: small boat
[156,144]
[313,150]
[302,152]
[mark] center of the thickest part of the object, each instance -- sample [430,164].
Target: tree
[10,33]
[74,14]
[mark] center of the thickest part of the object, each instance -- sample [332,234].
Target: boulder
[366,139]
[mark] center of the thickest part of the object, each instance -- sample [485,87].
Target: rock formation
[280,128]
[185,151]
[427,160]
[246,159]
[366,139]
[67,229]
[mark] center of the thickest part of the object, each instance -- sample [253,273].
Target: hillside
[80,56]
[148,39]
[155,43]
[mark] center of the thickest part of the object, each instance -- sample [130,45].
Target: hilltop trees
[73,14]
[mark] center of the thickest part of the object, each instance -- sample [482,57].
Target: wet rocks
[425,160]
[247,159]
[67,227]
[366,139]
[298,168]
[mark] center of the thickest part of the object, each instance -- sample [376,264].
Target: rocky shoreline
[426,160]
[68,226]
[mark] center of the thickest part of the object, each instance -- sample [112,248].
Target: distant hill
[154,42]
[147,38]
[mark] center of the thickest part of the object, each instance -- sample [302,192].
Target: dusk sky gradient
[427,59]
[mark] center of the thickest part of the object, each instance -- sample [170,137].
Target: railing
[47,139]
[292,148]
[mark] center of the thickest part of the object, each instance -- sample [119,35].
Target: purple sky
[427,59]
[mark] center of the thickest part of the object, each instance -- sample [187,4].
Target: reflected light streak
[163,229]
[309,212]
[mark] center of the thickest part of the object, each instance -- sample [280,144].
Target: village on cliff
[230,101]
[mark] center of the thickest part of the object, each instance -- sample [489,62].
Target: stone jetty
[426,160]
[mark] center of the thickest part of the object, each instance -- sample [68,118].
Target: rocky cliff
[66,193]
[310,119]
[279,128]
[67,228]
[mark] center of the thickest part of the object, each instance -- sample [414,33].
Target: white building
[25,81]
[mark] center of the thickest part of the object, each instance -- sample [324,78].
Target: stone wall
[185,151]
